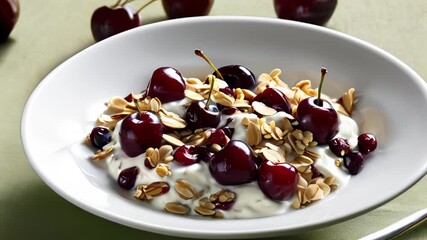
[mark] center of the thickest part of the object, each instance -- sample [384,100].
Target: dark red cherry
[127,177]
[234,164]
[320,119]
[309,11]
[318,116]
[225,205]
[9,13]
[237,76]
[186,8]
[186,155]
[339,146]
[197,116]
[167,84]
[274,98]
[354,162]
[140,131]
[227,91]
[107,21]
[100,136]
[278,181]
[367,143]
[217,137]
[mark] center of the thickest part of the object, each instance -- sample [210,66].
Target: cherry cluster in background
[109,20]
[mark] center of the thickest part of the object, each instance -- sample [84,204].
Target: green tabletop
[50,31]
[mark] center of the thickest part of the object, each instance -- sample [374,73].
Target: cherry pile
[353,160]
[230,162]
[107,21]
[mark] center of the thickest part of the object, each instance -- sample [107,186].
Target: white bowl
[63,108]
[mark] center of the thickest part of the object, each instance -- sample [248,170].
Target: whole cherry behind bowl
[125,63]
[9,13]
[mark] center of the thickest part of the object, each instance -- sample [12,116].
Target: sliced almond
[347,100]
[165,151]
[163,170]
[263,109]
[177,208]
[223,99]
[155,105]
[172,140]
[103,154]
[193,95]
[273,156]
[185,190]
[117,104]
[249,95]
[172,120]
[204,211]
[254,135]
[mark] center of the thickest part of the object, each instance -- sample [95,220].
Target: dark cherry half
[278,181]
[186,8]
[109,21]
[127,177]
[235,164]
[9,13]
[198,116]
[339,146]
[354,162]
[167,84]
[367,143]
[318,116]
[100,136]
[275,99]
[140,131]
[237,76]
[310,11]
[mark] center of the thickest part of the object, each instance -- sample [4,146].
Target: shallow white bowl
[63,108]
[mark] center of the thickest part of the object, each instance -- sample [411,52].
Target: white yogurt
[250,201]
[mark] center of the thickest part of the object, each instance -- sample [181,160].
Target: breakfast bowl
[64,107]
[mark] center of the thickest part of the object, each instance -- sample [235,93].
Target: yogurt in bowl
[222,169]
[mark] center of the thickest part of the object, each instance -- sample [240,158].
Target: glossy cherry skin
[140,131]
[167,84]
[100,136]
[217,136]
[9,13]
[275,99]
[354,162]
[278,181]
[186,8]
[127,177]
[235,164]
[339,146]
[197,116]
[106,21]
[237,76]
[310,11]
[186,155]
[322,120]
[367,143]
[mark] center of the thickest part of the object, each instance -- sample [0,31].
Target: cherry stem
[145,5]
[322,78]
[137,105]
[117,3]
[200,53]
[211,80]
